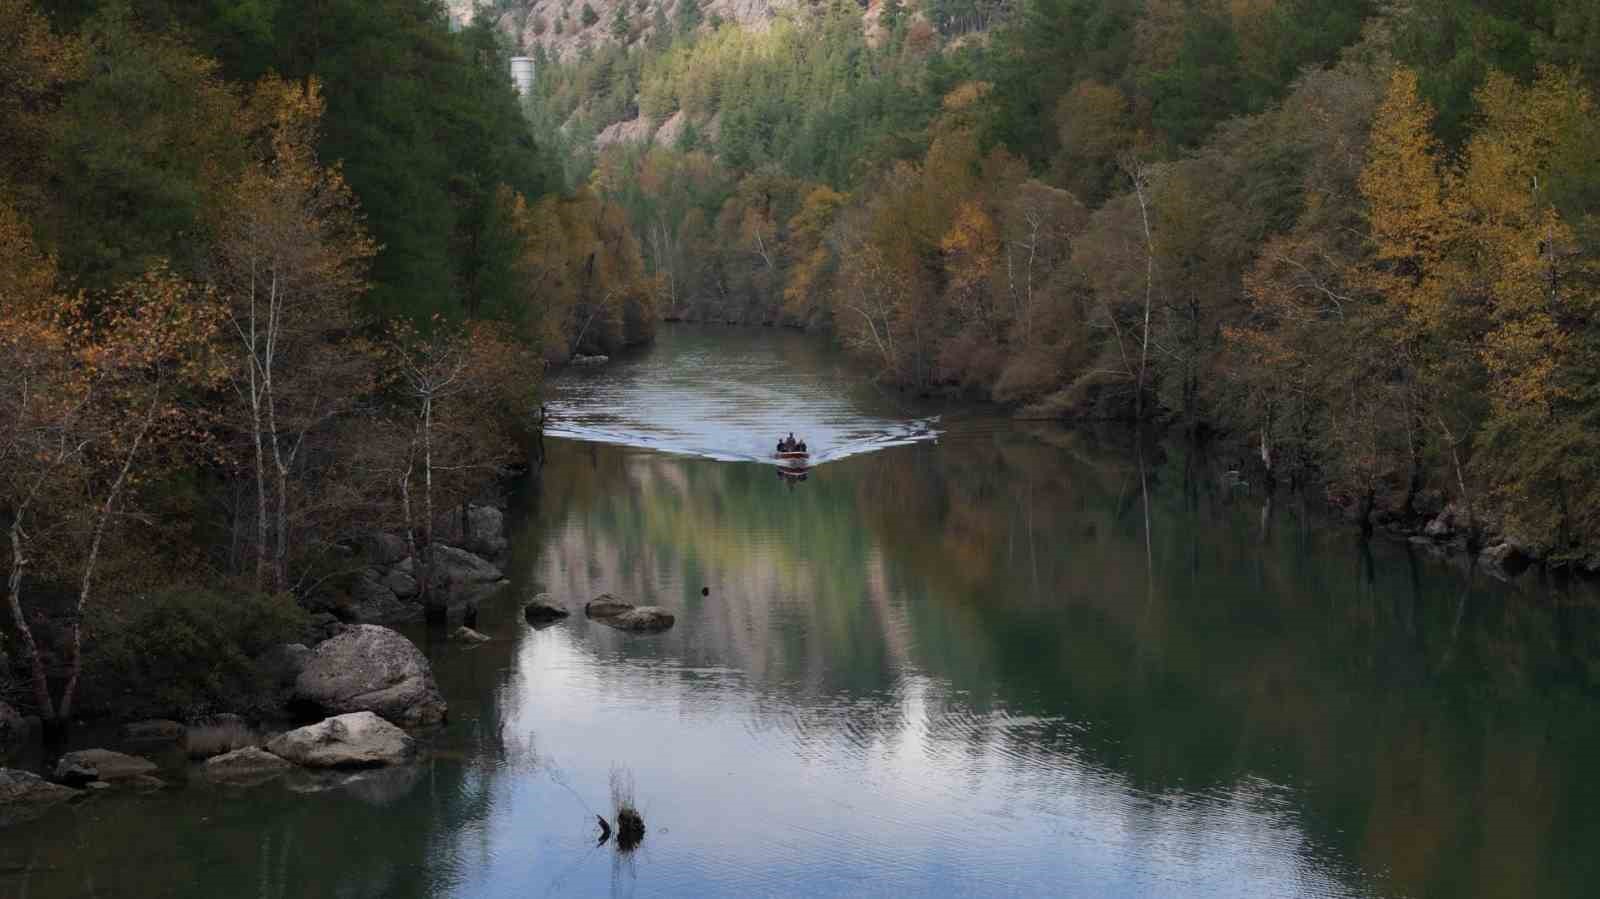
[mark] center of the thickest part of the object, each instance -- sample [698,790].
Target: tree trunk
[75,650]
[40,682]
[434,610]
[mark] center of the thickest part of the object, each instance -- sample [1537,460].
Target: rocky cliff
[564,27]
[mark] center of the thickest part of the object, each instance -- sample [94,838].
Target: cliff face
[563,27]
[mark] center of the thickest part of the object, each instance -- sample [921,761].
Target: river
[964,656]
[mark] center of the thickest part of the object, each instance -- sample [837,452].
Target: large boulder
[373,669]
[25,795]
[356,740]
[384,549]
[460,580]
[284,662]
[486,531]
[644,619]
[372,601]
[86,765]
[400,583]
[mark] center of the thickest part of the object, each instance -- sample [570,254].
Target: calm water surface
[948,663]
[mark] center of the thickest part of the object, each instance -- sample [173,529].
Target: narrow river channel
[951,661]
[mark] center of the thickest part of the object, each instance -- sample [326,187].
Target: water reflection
[1015,661]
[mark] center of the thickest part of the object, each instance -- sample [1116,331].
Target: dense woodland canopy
[262,263]
[270,277]
[1359,238]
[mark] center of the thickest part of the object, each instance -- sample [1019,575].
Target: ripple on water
[731,404]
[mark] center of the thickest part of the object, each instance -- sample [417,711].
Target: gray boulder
[605,605]
[156,730]
[373,669]
[460,580]
[465,634]
[101,764]
[25,796]
[356,740]
[248,765]
[486,531]
[284,662]
[400,583]
[543,609]
[373,602]
[384,549]
[644,619]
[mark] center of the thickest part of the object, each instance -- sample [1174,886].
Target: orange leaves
[1411,217]
[972,245]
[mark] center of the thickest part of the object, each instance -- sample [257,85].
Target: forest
[269,280]
[274,273]
[1356,241]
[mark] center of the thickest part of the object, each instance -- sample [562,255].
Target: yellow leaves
[1403,183]
[973,243]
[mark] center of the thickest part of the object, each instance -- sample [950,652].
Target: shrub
[188,652]
[589,16]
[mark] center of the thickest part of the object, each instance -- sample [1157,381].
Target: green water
[952,661]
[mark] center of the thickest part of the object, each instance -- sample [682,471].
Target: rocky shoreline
[364,692]
[369,681]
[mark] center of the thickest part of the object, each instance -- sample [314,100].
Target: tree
[291,258]
[456,387]
[87,388]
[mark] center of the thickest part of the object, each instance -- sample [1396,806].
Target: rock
[12,727]
[323,626]
[144,783]
[605,605]
[461,579]
[466,634]
[100,764]
[156,730]
[384,549]
[25,795]
[486,530]
[590,360]
[249,764]
[453,566]
[356,740]
[97,785]
[630,828]
[1504,559]
[284,662]
[642,619]
[373,669]
[543,609]
[402,585]
[373,602]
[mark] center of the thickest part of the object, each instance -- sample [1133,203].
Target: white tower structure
[522,74]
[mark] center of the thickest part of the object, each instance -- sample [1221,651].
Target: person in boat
[801,447]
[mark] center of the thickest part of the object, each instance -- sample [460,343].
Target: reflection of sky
[746,795]
[730,399]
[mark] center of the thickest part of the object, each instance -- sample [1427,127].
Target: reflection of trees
[1011,570]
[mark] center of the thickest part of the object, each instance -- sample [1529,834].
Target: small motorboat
[793,462]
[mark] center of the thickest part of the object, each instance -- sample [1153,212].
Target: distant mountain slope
[565,27]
